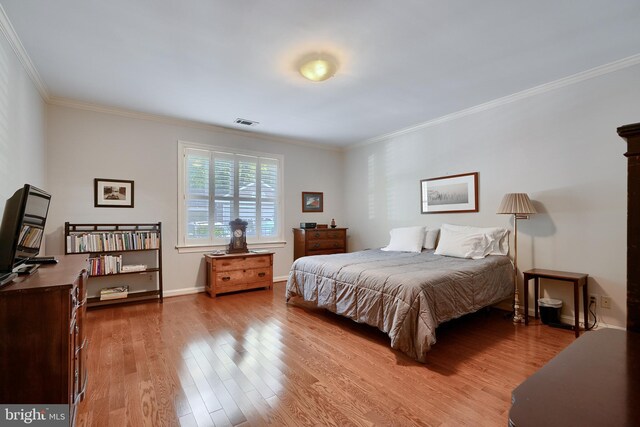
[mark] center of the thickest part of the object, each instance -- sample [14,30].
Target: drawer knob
[226,279]
[317,234]
[262,274]
[317,245]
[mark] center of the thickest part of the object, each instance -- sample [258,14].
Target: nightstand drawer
[313,245]
[326,234]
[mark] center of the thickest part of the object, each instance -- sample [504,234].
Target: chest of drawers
[319,241]
[42,336]
[237,272]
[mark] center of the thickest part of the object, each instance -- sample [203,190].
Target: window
[218,185]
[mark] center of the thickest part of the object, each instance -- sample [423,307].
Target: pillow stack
[460,241]
[406,239]
[430,237]
[472,242]
[412,239]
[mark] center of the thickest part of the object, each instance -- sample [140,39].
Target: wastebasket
[550,310]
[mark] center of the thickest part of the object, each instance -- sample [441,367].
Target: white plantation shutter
[224,186]
[220,185]
[269,195]
[197,195]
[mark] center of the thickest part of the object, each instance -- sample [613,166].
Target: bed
[405,295]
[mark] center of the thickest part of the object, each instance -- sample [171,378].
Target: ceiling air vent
[246,122]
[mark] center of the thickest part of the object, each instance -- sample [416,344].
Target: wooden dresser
[319,241]
[237,272]
[42,336]
[593,382]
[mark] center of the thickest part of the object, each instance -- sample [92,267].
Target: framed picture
[312,202]
[112,193]
[447,194]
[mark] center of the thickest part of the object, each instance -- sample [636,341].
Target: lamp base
[518,318]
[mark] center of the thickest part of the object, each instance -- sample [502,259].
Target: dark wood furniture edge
[590,383]
[631,133]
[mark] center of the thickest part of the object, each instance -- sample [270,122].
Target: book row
[106,264]
[30,237]
[113,241]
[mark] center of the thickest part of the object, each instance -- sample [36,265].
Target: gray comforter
[406,295]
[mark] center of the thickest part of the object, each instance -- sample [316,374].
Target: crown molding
[79,105]
[14,41]
[537,90]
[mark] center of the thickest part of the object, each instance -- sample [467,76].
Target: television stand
[7,278]
[26,269]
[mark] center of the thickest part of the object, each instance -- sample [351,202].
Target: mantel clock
[238,242]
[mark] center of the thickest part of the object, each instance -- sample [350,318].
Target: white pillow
[406,239]
[498,237]
[430,237]
[462,244]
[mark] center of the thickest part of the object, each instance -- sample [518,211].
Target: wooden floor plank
[250,359]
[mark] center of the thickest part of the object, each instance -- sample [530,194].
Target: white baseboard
[565,318]
[198,289]
[183,291]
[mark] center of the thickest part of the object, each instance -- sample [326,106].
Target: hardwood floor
[251,359]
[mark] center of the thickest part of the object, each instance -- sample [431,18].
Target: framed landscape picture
[447,194]
[312,202]
[112,193]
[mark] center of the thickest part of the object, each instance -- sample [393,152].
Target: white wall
[559,146]
[22,127]
[84,145]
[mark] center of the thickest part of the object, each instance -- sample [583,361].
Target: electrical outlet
[593,299]
[605,301]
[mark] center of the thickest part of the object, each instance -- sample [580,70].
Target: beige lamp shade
[516,203]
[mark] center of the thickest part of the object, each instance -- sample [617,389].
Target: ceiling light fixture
[318,67]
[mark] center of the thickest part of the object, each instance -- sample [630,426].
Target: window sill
[210,248]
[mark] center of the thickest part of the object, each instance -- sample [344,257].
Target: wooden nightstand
[319,241]
[578,280]
[237,272]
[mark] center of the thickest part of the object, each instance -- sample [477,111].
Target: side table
[578,279]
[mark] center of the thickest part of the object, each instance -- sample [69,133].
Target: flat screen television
[22,227]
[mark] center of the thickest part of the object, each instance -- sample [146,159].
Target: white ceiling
[402,62]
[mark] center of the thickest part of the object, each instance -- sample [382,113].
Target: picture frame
[449,194]
[312,201]
[112,193]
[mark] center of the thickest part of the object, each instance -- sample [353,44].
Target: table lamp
[519,205]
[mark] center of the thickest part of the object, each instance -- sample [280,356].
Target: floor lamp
[519,205]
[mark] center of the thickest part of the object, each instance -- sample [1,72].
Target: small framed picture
[312,202]
[112,193]
[448,194]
